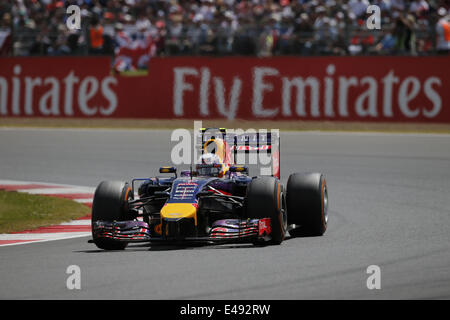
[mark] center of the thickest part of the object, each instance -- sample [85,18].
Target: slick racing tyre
[110,204]
[265,199]
[307,204]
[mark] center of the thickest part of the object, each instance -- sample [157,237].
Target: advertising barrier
[384,89]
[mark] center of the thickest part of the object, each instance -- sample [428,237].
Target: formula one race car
[215,202]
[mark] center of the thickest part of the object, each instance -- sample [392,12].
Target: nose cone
[179,211]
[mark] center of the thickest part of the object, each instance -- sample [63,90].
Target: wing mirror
[235,168]
[168,170]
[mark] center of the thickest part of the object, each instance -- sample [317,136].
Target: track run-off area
[389,206]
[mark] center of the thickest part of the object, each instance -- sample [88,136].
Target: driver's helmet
[210,165]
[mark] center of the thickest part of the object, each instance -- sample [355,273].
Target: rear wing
[262,147]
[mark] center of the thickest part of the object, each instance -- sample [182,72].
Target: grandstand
[221,28]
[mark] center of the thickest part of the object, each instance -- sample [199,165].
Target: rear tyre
[307,204]
[265,199]
[111,204]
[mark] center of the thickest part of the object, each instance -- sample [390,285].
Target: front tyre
[307,204]
[110,204]
[265,199]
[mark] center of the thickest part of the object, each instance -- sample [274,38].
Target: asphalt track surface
[389,205]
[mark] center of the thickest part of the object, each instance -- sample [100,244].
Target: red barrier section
[397,89]
[61,87]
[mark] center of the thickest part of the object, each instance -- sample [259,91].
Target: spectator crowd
[135,30]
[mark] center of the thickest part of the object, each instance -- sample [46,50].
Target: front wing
[226,230]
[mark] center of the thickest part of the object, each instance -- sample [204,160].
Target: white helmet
[210,165]
[210,158]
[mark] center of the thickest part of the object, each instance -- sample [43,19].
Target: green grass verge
[23,211]
[134,73]
[130,123]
